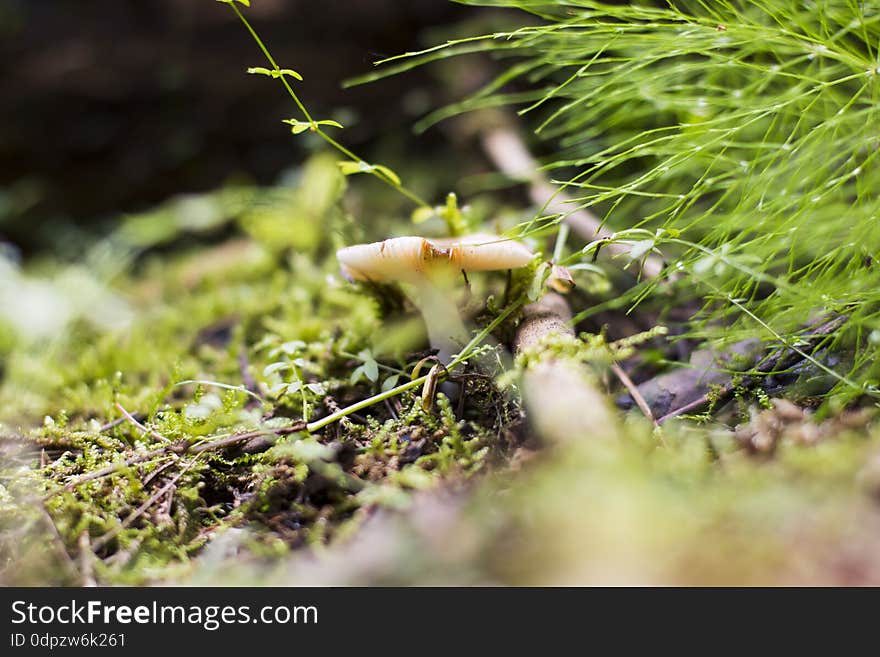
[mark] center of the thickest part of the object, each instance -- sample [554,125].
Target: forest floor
[155,395]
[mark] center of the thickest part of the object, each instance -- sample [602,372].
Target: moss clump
[188,419]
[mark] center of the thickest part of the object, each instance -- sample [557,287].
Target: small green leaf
[349,167]
[273,73]
[537,284]
[297,126]
[371,369]
[391,381]
[272,368]
[388,173]
[277,390]
[586,266]
[640,248]
[246,3]
[292,347]
[356,375]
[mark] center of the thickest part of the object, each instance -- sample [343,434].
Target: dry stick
[109,470]
[247,379]
[782,358]
[634,391]
[507,151]
[114,423]
[559,397]
[155,473]
[220,443]
[131,419]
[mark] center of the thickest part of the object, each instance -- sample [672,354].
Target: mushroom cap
[407,258]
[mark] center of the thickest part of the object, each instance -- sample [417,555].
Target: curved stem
[463,355]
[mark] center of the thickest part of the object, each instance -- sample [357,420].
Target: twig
[507,151]
[247,379]
[220,443]
[634,391]
[131,419]
[103,472]
[560,398]
[114,423]
[780,359]
[155,473]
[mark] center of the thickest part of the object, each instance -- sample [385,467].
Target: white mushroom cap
[403,258]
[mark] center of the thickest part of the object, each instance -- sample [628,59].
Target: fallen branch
[561,397]
[634,392]
[132,420]
[688,390]
[506,150]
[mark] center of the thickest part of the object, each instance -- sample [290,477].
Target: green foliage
[147,426]
[216,404]
[737,138]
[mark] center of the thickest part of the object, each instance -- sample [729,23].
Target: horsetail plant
[736,139]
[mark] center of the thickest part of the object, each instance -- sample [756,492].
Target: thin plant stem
[412,196]
[463,355]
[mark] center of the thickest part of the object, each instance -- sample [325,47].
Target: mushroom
[429,265]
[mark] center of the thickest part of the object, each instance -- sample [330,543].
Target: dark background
[111,106]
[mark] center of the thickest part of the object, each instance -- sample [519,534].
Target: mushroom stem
[446,331]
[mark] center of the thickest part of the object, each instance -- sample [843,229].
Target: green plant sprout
[355,164]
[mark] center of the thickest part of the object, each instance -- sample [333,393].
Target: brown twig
[780,359]
[132,420]
[155,473]
[103,472]
[508,152]
[560,395]
[113,423]
[220,443]
[634,391]
[247,379]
